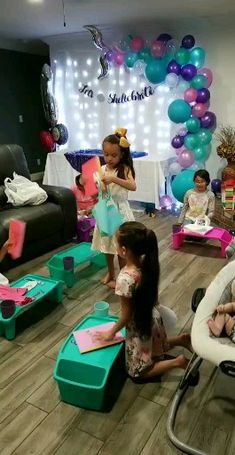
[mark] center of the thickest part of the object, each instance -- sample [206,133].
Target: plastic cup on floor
[68,262]
[7,308]
[176,228]
[101,309]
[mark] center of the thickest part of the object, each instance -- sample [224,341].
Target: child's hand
[107,179]
[220,309]
[6,246]
[104,336]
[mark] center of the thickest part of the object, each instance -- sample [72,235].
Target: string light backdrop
[89,116]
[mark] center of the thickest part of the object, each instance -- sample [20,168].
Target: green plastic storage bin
[92,380]
[82,254]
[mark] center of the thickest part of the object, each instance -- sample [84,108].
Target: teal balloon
[191,141]
[204,136]
[130,59]
[182,56]
[124,44]
[145,54]
[182,86]
[199,81]
[179,111]
[155,71]
[182,183]
[193,125]
[200,153]
[197,57]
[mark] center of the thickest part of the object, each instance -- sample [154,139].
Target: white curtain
[90,118]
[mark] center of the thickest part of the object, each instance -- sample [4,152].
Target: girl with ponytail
[137,286]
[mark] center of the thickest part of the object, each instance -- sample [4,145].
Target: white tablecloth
[149,177]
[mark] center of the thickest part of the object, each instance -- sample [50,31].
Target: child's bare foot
[186,341]
[107,278]
[181,361]
[111,284]
[213,328]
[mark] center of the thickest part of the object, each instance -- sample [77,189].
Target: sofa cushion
[41,220]
[3,198]
[12,159]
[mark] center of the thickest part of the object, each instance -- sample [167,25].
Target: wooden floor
[33,420]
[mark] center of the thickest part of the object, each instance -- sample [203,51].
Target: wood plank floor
[33,420]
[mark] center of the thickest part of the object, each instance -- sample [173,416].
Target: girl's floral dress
[141,351]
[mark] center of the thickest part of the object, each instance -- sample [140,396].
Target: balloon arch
[181,67]
[178,65]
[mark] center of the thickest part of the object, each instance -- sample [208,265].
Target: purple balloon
[188,41]
[177,142]
[164,37]
[188,72]
[173,67]
[203,95]
[165,201]
[110,56]
[216,185]
[208,120]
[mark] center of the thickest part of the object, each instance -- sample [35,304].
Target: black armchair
[48,225]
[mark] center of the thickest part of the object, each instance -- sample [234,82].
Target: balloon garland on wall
[58,133]
[180,67]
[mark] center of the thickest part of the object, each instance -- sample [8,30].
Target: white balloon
[139,67]
[197,165]
[172,80]
[174,168]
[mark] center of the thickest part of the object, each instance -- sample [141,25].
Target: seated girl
[85,203]
[198,201]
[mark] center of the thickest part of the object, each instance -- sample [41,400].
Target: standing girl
[137,286]
[119,175]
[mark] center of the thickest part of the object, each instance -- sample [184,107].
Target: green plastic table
[82,254]
[47,288]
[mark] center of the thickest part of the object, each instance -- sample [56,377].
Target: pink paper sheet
[16,236]
[86,338]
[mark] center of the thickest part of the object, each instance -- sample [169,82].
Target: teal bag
[107,215]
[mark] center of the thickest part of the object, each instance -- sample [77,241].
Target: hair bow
[121,132]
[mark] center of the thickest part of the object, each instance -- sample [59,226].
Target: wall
[219,46]
[217,39]
[20,95]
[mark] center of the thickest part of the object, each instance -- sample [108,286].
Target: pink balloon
[208,74]
[137,44]
[199,110]
[179,151]
[190,95]
[157,48]
[119,58]
[186,158]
